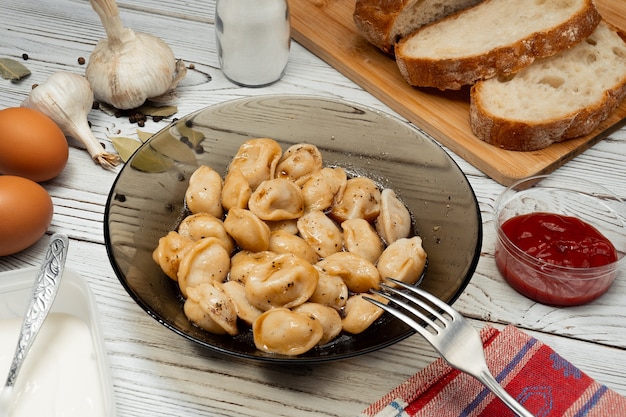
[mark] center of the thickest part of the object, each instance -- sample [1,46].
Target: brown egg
[31,145]
[25,213]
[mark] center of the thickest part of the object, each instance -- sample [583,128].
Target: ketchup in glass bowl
[560,240]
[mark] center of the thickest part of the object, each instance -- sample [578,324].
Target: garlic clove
[67,98]
[127,68]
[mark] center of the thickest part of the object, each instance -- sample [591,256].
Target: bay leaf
[170,146]
[13,70]
[194,136]
[149,160]
[143,136]
[160,111]
[125,147]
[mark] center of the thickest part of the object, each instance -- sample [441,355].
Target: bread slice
[495,37]
[383,23]
[554,99]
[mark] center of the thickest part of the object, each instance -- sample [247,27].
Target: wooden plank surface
[326,28]
[157,373]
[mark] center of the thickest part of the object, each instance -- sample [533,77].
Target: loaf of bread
[557,98]
[383,23]
[492,38]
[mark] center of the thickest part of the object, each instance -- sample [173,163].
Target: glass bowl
[147,200]
[538,276]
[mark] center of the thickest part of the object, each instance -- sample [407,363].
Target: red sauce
[561,241]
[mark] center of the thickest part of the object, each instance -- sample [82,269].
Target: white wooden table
[157,373]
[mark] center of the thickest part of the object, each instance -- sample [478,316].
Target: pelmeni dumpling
[201,225]
[203,194]
[299,162]
[250,232]
[359,313]
[236,190]
[206,261]
[209,308]
[324,187]
[257,160]
[403,260]
[285,242]
[358,273]
[328,317]
[286,332]
[360,200]
[360,237]
[285,281]
[394,220]
[237,294]
[243,262]
[170,251]
[321,233]
[290,225]
[331,291]
[277,199]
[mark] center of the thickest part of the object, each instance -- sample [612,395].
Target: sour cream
[60,376]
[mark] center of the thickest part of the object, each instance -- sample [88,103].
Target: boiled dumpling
[285,242]
[243,262]
[290,225]
[299,162]
[328,317]
[170,251]
[360,200]
[236,190]
[204,192]
[237,294]
[359,237]
[331,291]
[321,233]
[201,225]
[286,332]
[257,160]
[324,187]
[403,260]
[359,313]
[206,261]
[394,220]
[284,281]
[277,199]
[358,273]
[250,232]
[209,308]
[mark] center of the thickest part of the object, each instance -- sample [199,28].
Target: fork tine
[407,307]
[418,302]
[428,296]
[399,314]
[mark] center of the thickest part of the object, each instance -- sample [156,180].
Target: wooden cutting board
[326,28]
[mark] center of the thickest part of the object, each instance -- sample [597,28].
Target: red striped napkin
[545,383]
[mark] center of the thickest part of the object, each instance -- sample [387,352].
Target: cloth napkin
[545,383]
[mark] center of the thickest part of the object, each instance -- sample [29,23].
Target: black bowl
[146,201]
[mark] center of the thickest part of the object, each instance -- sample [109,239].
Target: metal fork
[453,337]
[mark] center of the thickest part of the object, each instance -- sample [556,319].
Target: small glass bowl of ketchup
[560,240]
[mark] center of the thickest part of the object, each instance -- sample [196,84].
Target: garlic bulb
[67,98]
[127,68]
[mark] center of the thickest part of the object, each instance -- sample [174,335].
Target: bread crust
[378,21]
[514,135]
[375,19]
[453,74]
[520,135]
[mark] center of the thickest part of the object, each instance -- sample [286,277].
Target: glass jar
[253,40]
